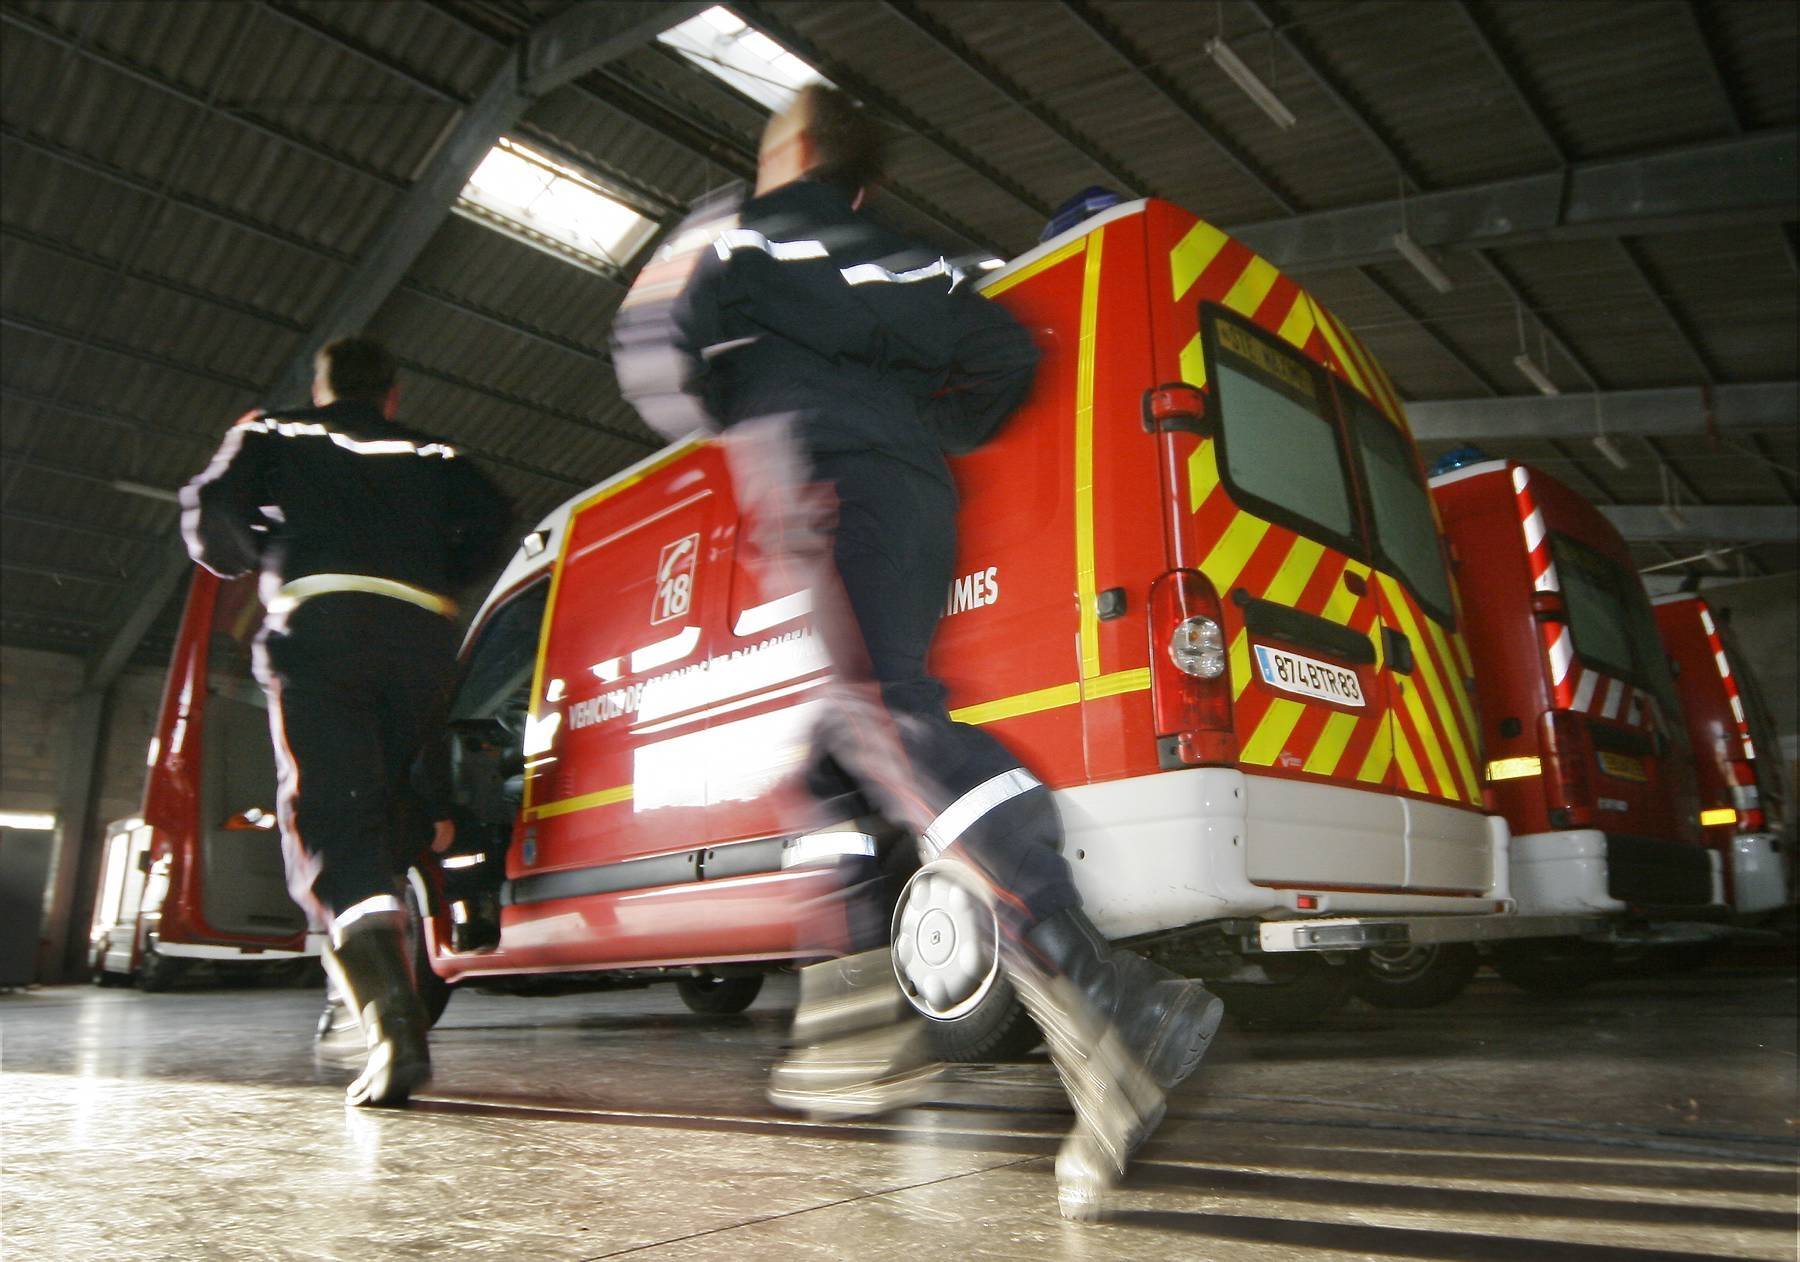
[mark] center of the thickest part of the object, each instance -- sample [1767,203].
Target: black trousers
[889,549]
[355,683]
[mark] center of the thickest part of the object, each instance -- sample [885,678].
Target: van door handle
[1398,650]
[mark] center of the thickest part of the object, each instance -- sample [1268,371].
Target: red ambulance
[197,880]
[1743,802]
[1587,751]
[1201,592]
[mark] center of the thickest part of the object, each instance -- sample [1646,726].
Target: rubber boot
[1167,1021]
[859,1048]
[372,960]
[338,1040]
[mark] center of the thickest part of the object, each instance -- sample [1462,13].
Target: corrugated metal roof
[188,183]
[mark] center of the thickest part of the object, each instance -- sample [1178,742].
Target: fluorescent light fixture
[1718,562]
[1422,262]
[148,492]
[1604,444]
[1535,375]
[722,44]
[1674,516]
[42,821]
[552,207]
[1245,78]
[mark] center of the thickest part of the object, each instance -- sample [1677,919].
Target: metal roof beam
[1747,179]
[573,43]
[1710,523]
[1672,412]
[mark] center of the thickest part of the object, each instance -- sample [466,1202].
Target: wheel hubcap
[1399,964]
[946,945]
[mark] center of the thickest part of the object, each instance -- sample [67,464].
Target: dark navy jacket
[799,305]
[343,490]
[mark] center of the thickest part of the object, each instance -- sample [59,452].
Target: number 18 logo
[675,579]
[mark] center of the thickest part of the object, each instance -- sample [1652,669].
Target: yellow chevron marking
[995,288]
[1296,571]
[1193,362]
[584,802]
[1084,457]
[1299,323]
[1414,699]
[1240,664]
[1458,690]
[1341,604]
[1381,753]
[1203,473]
[1120,681]
[1365,364]
[1022,703]
[1410,775]
[1246,295]
[1265,745]
[1425,671]
[1333,738]
[1192,255]
[1337,347]
[1232,552]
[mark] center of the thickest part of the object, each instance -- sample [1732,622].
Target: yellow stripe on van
[1247,294]
[995,288]
[1337,347]
[1425,671]
[1410,775]
[1020,703]
[1329,748]
[1296,571]
[1084,457]
[1341,604]
[1233,551]
[1240,664]
[1192,255]
[583,802]
[1203,473]
[1116,684]
[1455,686]
[1270,737]
[1375,763]
[1298,327]
[1193,362]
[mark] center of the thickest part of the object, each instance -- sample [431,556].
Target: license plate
[1308,676]
[1623,766]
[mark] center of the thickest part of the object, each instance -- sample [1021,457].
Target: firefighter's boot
[372,961]
[858,1047]
[1117,1103]
[338,1040]
[1166,1021]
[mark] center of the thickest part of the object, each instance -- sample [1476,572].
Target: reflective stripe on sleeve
[292,594]
[358,446]
[865,273]
[963,813]
[732,240]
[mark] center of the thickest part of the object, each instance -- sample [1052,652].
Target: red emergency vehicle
[1201,592]
[1587,752]
[1743,802]
[197,880]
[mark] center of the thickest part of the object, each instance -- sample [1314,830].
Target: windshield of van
[1405,531]
[1610,618]
[497,683]
[1281,450]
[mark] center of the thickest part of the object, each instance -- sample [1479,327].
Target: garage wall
[37,695]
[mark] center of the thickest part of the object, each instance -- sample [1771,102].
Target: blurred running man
[842,361]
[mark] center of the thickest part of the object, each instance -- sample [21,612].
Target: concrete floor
[1645,1118]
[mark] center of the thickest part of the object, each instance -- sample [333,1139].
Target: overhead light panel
[1604,444]
[1675,517]
[1535,375]
[553,207]
[1245,78]
[38,821]
[1422,262]
[729,49]
[147,492]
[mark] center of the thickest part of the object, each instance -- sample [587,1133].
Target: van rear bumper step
[1358,933]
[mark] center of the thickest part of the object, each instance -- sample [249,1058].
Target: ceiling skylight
[543,203]
[720,43]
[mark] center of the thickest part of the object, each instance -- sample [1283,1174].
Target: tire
[434,991]
[1302,991]
[946,945]
[716,996]
[1414,977]
[1551,966]
[158,972]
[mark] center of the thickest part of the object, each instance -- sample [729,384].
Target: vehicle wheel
[434,991]
[1302,991]
[947,960]
[719,996]
[1551,966]
[1413,976]
[158,972]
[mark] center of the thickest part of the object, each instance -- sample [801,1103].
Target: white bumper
[1168,850]
[1565,873]
[1758,876]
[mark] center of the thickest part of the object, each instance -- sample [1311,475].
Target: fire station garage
[1381,575]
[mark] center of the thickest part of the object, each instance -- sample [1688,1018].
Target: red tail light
[1568,759]
[1190,675]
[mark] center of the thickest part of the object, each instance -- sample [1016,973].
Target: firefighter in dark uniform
[361,529]
[842,361]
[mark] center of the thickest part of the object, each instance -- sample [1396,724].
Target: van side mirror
[1549,607]
[1176,406]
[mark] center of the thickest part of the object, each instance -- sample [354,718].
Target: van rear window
[1281,449]
[1405,531]
[1609,617]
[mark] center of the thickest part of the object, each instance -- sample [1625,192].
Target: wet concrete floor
[1644,1118]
